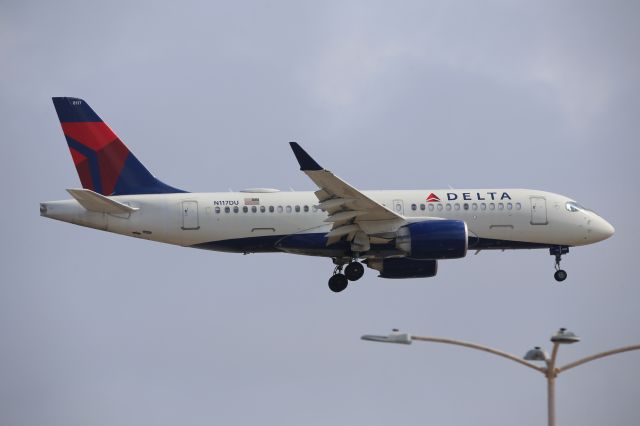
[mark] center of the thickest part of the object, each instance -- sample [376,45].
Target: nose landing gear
[560,274]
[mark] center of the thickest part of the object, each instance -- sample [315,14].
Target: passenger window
[245,209]
[254,209]
[518,206]
[262,209]
[456,206]
[414,207]
[430,207]
[422,207]
[306,208]
[483,206]
[279,209]
[271,209]
[448,207]
[509,206]
[466,206]
[288,209]
[315,208]
[439,207]
[236,209]
[227,209]
[500,206]
[217,209]
[474,206]
[492,206]
[297,209]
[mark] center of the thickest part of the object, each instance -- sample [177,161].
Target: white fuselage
[254,221]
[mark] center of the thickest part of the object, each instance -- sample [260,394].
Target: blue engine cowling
[434,239]
[404,268]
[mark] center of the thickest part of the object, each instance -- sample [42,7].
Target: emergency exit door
[190,215]
[398,207]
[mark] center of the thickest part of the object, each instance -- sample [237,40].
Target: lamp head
[536,354]
[564,336]
[395,337]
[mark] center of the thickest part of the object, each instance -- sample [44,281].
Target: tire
[354,271]
[338,282]
[560,275]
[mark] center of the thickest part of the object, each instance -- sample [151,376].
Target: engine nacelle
[404,268]
[434,239]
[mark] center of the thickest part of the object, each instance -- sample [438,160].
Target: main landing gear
[339,281]
[354,271]
[560,274]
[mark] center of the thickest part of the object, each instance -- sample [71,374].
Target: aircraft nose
[601,230]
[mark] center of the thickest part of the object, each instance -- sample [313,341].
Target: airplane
[401,234]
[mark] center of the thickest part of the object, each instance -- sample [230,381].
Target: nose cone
[600,230]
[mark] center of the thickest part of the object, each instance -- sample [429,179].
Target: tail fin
[105,165]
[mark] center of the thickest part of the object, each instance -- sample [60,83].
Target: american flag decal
[251,201]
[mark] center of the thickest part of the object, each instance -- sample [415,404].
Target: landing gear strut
[560,274]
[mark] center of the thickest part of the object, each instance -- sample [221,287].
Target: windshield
[573,206]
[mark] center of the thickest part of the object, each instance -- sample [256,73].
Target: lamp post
[550,371]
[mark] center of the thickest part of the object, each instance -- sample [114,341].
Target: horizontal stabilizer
[95,202]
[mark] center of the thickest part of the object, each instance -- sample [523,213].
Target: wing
[349,210]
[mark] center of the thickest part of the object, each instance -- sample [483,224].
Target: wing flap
[344,215]
[343,230]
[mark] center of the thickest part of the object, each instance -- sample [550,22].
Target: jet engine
[434,239]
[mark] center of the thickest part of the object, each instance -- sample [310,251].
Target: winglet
[305,160]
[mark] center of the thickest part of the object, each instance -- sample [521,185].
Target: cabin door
[539,211]
[190,215]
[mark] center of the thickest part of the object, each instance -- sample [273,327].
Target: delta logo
[468,196]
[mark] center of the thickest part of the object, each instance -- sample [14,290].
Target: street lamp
[550,371]
[536,354]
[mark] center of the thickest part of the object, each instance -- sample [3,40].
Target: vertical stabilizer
[104,163]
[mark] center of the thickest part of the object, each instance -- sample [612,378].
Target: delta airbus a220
[401,234]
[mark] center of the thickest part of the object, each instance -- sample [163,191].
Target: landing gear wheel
[354,271]
[560,275]
[338,282]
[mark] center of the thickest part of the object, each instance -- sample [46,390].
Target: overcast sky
[98,329]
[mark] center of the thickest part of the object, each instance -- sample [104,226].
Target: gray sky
[104,330]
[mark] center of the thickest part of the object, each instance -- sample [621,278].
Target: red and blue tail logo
[105,165]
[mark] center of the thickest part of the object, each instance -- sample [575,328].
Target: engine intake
[434,239]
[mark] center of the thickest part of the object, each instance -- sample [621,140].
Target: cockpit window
[572,206]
